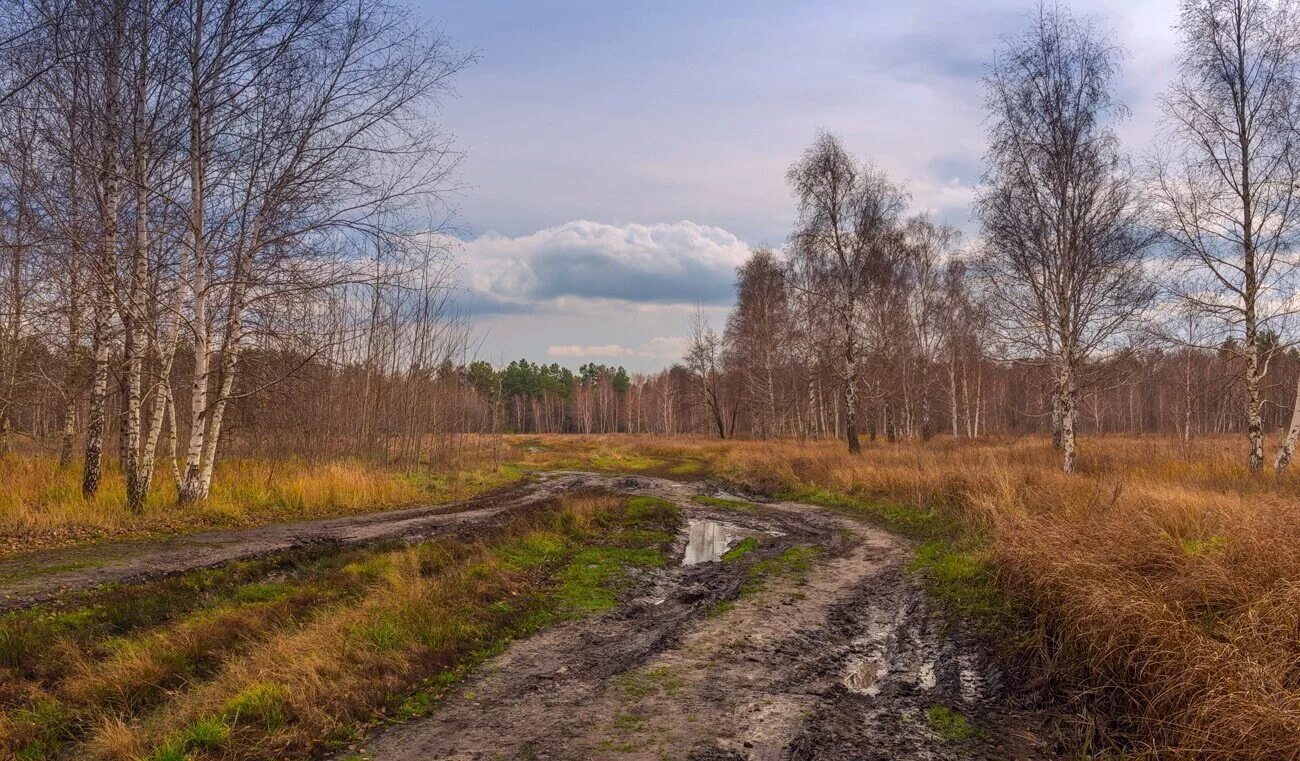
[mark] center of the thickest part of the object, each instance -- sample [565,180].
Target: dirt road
[842,659]
[817,645]
[36,578]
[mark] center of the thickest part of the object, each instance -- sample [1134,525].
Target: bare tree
[845,246]
[1064,240]
[757,334]
[929,247]
[704,360]
[1227,185]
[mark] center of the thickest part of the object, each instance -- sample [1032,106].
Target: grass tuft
[949,724]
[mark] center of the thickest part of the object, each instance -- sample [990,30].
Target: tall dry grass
[41,505]
[1160,586]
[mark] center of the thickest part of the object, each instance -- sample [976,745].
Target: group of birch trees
[185,184]
[1088,264]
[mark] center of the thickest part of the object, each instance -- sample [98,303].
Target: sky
[621,158]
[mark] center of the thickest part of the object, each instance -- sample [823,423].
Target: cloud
[573,350]
[658,348]
[665,347]
[662,264]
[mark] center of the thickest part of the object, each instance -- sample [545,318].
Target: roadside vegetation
[1151,593]
[283,656]
[42,505]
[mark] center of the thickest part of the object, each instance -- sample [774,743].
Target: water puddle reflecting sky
[707,541]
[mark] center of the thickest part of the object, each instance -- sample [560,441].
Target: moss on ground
[949,724]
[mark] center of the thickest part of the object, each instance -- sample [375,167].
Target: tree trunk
[851,400]
[1066,393]
[191,479]
[1254,402]
[1287,450]
[92,469]
[1058,414]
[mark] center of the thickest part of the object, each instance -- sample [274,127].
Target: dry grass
[41,505]
[278,659]
[1159,588]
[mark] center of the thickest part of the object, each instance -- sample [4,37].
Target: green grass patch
[709,500]
[623,461]
[534,549]
[261,705]
[592,581]
[792,564]
[208,734]
[746,546]
[1201,547]
[961,579]
[950,724]
[649,512]
[639,683]
[928,522]
[264,591]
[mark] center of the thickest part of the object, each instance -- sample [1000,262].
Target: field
[1149,600]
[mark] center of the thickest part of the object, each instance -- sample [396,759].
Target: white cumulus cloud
[668,263]
[574,350]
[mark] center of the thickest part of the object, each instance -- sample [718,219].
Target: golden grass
[306,655]
[41,505]
[1160,586]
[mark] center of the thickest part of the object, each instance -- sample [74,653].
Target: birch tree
[846,244]
[928,248]
[1064,240]
[322,143]
[758,332]
[1227,183]
[704,360]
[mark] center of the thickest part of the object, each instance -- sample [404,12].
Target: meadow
[1152,598]
[41,505]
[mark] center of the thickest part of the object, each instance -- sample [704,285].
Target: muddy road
[832,653]
[809,640]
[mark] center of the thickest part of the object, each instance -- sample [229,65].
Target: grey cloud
[673,263]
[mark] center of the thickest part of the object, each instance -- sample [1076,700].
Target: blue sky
[622,157]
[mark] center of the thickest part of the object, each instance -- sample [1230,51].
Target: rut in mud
[840,657]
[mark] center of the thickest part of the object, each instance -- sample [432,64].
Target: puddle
[861,676]
[707,541]
[926,678]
